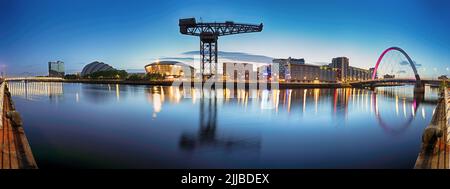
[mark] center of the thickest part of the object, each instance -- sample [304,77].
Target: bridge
[417,80]
[395,82]
[42,79]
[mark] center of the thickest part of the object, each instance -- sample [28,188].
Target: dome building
[169,69]
[95,67]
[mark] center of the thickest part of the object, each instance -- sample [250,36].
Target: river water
[73,125]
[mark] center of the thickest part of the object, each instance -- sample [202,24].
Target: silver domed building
[95,67]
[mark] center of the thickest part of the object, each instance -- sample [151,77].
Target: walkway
[15,152]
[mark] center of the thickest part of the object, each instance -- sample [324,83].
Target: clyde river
[73,125]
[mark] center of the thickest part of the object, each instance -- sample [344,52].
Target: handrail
[2,94]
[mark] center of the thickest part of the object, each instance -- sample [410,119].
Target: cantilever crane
[209,34]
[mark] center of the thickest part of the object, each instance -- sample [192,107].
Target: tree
[110,74]
[71,76]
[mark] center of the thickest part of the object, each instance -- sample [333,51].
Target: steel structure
[209,34]
[413,66]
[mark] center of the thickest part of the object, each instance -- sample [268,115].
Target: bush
[71,76]
[136,77]
[110,74]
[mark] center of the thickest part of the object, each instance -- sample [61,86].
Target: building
[357,74]
[264,72]
[170,69]
[95,67]
[284,66]
[387,76]
[443,77]
[341,65]
[311,73]
[237,71]
[296,70]
[371,70]
[56,69]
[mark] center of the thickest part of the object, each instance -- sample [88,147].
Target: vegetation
[136,77]
[71,76]
[110,74]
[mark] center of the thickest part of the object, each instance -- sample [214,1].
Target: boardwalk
[435,150]
[15,152]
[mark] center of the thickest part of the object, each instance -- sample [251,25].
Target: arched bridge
[417,80]
[411,63]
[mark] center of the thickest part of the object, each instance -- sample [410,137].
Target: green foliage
[71,76]
[110,74]
[136,77]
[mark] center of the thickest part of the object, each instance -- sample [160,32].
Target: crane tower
[209,34]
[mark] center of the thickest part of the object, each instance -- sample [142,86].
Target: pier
[15,151]
[435,150]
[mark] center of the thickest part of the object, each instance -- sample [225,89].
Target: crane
[209,34]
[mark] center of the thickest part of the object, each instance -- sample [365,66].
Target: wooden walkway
[15,151]
[435,150]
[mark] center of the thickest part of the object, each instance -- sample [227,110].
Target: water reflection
[31,90]
[102,93]
[309,101]
[300,101]
[158,127]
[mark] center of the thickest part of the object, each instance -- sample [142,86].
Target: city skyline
[132,35]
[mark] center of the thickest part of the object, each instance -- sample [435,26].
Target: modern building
[264,72]
[56,69]
[95,67]
[341,65]
[357,74]
[237,71]
[170,69]
[311,73]
[296,70]
[371,70]
[284,66]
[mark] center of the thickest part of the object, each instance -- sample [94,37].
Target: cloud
[404,62]
[181,59]
[238,56]
[401,71]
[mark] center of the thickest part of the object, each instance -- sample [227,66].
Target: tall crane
[209,34]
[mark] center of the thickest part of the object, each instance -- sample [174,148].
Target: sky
[128,34]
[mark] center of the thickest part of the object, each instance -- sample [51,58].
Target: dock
[15,151]
[435,149]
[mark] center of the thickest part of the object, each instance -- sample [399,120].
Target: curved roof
[169,63]
[95,67]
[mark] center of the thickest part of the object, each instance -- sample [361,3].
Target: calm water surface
[123,126]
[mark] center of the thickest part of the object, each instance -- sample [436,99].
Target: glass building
[56,69]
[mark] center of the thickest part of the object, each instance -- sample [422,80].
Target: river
[74,125]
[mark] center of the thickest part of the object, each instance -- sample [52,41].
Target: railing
[34,79]
[447,108]
[2,98]
[435,139]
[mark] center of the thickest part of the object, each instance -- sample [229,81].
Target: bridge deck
[437,156]
[15,151]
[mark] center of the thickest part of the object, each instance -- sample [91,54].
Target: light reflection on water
[124,126]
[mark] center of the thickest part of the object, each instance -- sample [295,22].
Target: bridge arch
[413,66]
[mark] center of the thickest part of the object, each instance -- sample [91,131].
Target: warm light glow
[396,104]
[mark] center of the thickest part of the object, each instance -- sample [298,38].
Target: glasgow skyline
[131,34]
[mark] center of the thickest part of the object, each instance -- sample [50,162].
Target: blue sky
[130,34]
